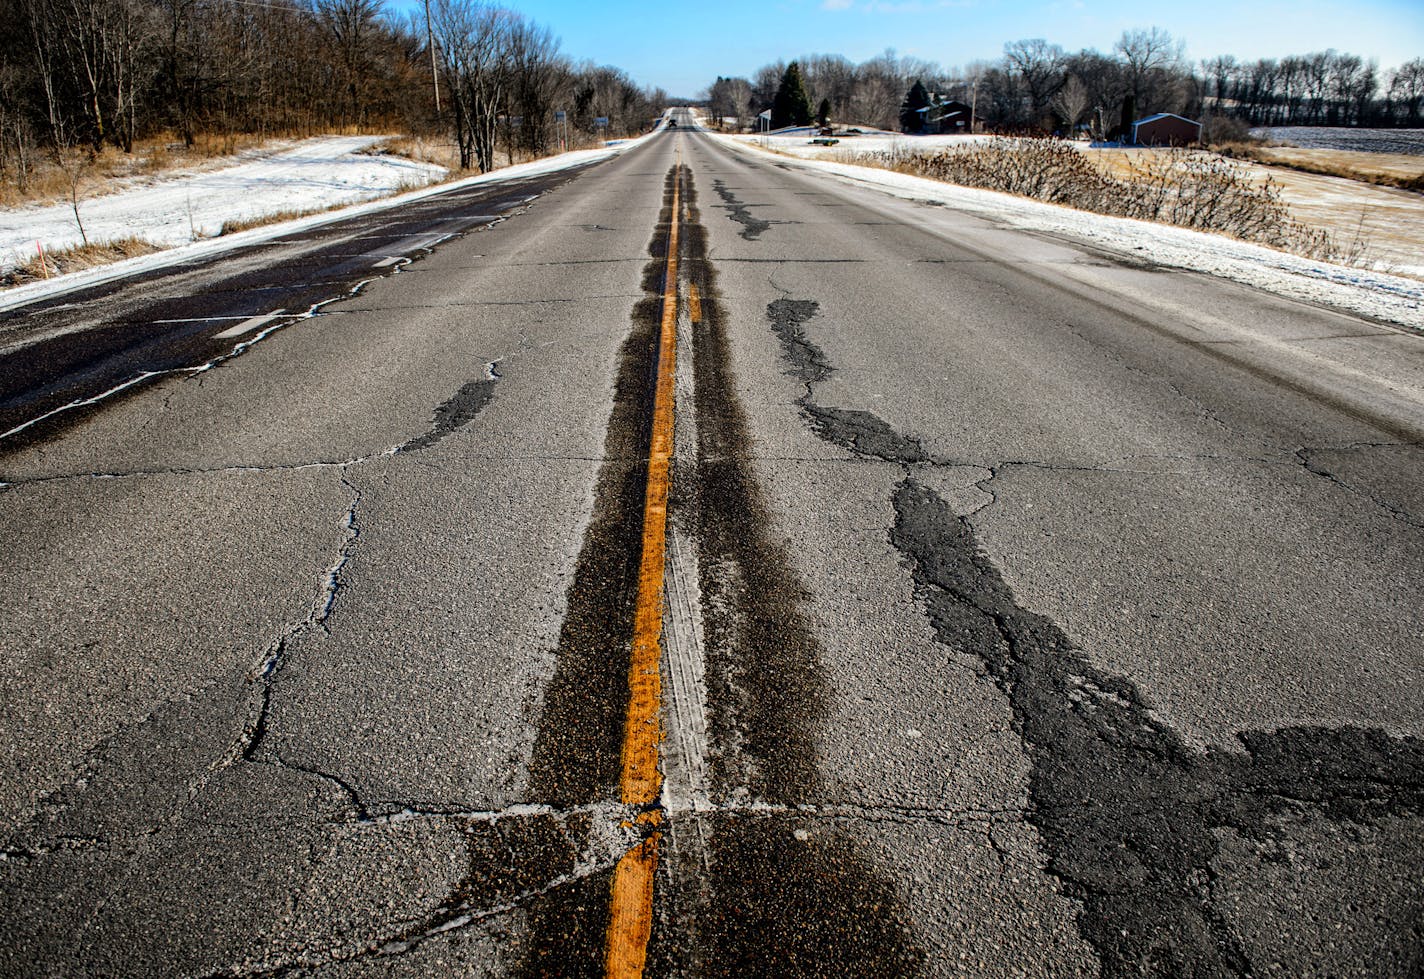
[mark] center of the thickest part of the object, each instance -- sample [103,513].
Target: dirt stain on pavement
[781,896]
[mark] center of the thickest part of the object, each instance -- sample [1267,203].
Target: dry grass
[1372,224]
[76,258]
[49,178]
[437,151]
[1400,170]
[45,184]
[233,225]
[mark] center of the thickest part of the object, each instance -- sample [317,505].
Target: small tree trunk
[74,203]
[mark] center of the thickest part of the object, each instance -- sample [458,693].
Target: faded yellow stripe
[631,910]
[630,922]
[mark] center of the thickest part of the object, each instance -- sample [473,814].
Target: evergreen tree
[792,106]
[823,114]
[1129,116]
[911,119]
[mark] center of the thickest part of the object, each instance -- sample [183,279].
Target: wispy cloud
[837,4]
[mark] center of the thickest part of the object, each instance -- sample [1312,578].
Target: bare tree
[1070,102]
[351,28]
[831,78]
[765,83]
[879,87]
[540,76]
[730,98]
[1154,62]
[1406,92]
[1039,66]
[473,42]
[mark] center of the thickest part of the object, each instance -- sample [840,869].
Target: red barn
[1166,129]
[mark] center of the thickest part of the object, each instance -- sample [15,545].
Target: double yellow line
[630,922]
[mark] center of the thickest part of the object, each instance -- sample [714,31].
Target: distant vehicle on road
[672,124]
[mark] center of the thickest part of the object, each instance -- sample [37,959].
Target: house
[1166,129]
[948,116]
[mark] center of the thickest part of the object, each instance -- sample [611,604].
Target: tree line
[1037,86]
[95,73]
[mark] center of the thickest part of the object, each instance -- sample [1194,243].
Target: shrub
[1219,130]
[1185,188]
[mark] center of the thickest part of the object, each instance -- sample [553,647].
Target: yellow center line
[630,921]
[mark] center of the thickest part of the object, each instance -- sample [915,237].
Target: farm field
[1382,168]
[1406,141]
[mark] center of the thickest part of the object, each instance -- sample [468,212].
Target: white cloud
[836,4]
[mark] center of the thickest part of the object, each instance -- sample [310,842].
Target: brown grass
[1399,170]
[234,225]
[76,258]
[437,151]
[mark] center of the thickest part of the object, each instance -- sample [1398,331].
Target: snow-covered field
[1370,293]
[179,208]
[1410,141]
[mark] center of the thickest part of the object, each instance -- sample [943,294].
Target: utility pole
[973,103]
[430,43]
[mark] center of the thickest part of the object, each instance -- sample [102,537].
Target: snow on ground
[1390,222]
[1368,293]
[316,172]
[797,142]
[1410,141]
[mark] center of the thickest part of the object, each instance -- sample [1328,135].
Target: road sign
[560,116]
[601,122]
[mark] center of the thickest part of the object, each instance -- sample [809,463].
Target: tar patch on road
[1129,814]
[454,414]
[752,227]
[768,895]
[859,431]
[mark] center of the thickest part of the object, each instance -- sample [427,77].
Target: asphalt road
[1029,610]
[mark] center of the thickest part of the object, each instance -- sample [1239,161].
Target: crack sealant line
[630,920]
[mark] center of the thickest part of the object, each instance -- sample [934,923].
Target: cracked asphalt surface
[1031,610]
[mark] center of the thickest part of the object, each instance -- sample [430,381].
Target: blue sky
[683,47]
